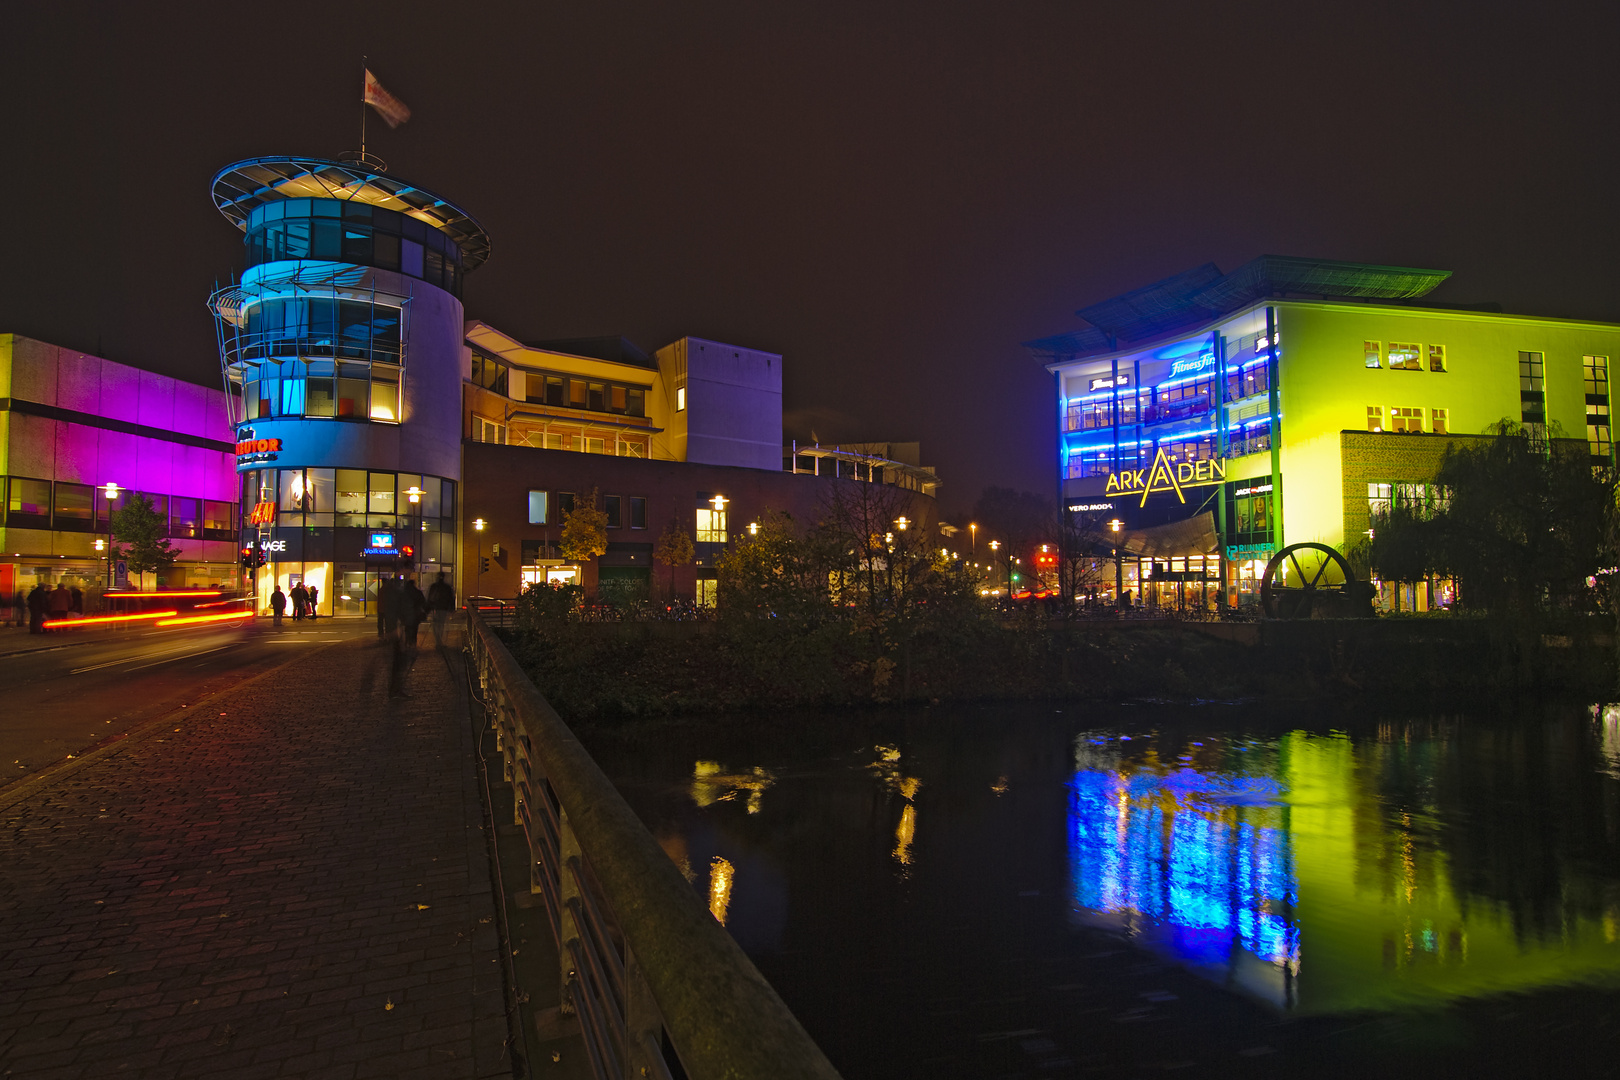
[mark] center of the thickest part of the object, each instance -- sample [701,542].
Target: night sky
[892,195]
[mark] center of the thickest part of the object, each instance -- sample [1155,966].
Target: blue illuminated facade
[342,355]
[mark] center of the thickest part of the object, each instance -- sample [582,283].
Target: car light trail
[188,620]
[96,620]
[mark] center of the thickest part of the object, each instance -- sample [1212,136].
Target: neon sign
[272,545]
[380,543]
[264,513]
[1110,381]
[257,446]
[1166,475]
[1188,364]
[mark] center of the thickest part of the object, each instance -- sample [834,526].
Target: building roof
[618,350]
[1197,296]
[239,188]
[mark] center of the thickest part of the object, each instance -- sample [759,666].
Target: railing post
[643,1024]
[567,924]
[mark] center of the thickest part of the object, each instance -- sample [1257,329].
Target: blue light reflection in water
[1198,860]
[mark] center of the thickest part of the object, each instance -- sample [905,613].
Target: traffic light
[249,559]
[407,551]
[483,564]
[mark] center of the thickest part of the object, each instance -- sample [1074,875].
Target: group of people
[402,605]
[304,600]
[58,603]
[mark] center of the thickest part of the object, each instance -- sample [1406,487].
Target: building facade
[70,423]
[1219,417]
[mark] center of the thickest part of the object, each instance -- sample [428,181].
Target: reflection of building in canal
[711,784]
[888,772]
[1323,873]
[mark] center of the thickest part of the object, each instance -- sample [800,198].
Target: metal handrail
[644,963]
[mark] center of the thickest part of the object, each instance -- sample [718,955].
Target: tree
[773,573]
[138,525]
[674,549]
[1520,523]
[584,530]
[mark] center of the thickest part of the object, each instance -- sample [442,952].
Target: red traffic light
[406,550]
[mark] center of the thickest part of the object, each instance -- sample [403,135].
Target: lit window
[1405,357]
[1379,497]
[632,448]
[707,591]
[711,526]
[1375,418]
[595,446]
[680,398]
[1438,421]
[485,431]
[1437,358]
[1407,420]
[1597,377]
[1373,353]
[537,508]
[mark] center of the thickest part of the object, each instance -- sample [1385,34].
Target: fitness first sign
[1167,475]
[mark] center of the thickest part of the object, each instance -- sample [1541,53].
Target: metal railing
[644,965]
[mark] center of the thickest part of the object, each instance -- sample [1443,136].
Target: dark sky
[892,195]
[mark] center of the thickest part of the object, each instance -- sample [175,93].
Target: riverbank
[601,673]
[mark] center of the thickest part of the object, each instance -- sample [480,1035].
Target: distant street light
[414,494]
[110,491]
[478,566]
[973,535]
[1115,526]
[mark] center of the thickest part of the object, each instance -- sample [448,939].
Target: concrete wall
[733,410]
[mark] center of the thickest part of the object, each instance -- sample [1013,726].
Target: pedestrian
[300,601]
[413,609]
[314,601]
[441,600]
[77,605]
[388,597]
[61,602]
[38,603]
[278,604]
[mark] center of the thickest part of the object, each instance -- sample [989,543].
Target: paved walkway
[290,881]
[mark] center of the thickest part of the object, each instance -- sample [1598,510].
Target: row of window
[1422,498]
[65,507]
[1102,461]
[1164,404]
[580,441]
[340,389]
[346,497]
[623,511]
[353,232]
[562,391]
[1407,419]
[320,326]
[1404,356]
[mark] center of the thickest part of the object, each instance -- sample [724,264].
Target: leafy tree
[774,573]
[1521,524]
[584,530]
[674,549]
[138,525]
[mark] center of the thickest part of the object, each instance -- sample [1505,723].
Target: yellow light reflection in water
[1000,786]
[904,833]
[711,784]
[720,875]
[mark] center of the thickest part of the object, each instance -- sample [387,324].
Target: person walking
[300,601]
[38,603]
[413,609]
[441,600]
[278,604]
[61,602]
[314,601]
[388,597]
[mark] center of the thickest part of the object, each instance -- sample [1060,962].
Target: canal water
[1222,889]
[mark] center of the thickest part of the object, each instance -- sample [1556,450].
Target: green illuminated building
[1219,417]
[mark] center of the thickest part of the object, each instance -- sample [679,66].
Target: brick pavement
[290,881]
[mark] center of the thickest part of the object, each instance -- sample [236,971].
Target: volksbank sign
[1167,475]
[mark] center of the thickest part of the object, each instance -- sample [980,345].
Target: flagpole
[364,61]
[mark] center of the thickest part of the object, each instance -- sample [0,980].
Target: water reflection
[1319,872]
[894,780]
[711,784]
[720,875]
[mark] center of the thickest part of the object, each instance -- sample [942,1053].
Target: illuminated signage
[1249,551]
[1167,475]
[272,545]
[1108,382]
[380,543]
[257,446]
[1188,365]
[264,513]
[1257,489]
[1080,508]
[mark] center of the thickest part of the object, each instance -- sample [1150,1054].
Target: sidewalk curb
[53,648]
[15,792]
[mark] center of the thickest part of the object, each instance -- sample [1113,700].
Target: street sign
[120,574]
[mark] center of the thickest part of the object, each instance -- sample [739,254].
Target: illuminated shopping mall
[1207,420]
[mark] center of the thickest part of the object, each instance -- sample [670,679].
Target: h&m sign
[1167,475]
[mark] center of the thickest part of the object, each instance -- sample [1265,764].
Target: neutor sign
[1167,475]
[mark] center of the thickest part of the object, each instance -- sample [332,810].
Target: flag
[389,107]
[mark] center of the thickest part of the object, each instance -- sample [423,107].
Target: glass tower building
[342,354]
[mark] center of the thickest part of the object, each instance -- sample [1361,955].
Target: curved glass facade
[353,232]
[310,356]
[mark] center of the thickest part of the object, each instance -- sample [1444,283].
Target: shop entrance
[358,586]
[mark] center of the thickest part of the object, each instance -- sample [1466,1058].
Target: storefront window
[349,497]
[73,507]
[381,498]
[185,517]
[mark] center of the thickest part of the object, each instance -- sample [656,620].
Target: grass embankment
[601,673]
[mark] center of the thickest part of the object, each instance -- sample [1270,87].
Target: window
[611,505]
[1596,371]
[711,526]
[680,399]
[638,512]
[1407,420]
[1437,358]
[489,373]
[635,448]
[350,497]
[1379,498]
[596,446]
[381,499]
[565,504]
[617,398]
[217,521]
[576,393]
[1373,352]
[1530,372]
[73,507]
[635,402]
[537,508]
[488,431]
[1403,357]
[1375,418]
[1532,395]
[597,396]
[1438,422]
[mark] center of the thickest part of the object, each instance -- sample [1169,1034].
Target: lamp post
[414,494]
[973,535]
[995,550]
[110,491]
[1114,526]
[478,567]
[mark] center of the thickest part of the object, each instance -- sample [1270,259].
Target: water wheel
[1312,581]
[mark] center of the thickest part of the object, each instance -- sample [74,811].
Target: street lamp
[478,580]
[414,494]
[901,522]
[110,491]
[1114,526]
[973,534]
